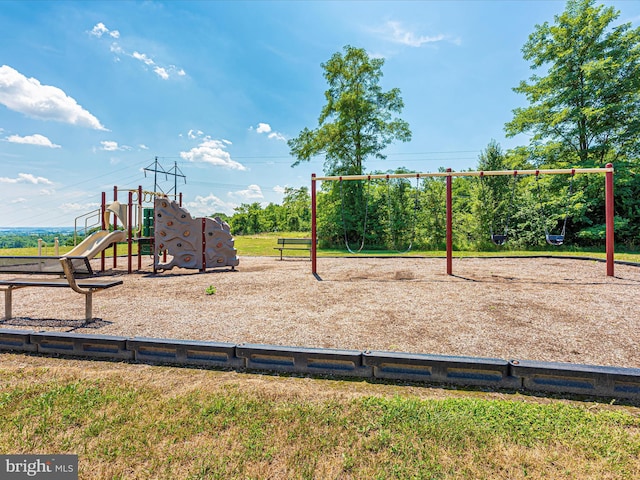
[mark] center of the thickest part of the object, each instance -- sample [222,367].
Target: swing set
[390,210]
[498,239]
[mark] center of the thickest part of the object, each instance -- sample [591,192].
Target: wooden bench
[293,244]
[85,286]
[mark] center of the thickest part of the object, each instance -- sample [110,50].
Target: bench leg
[88,306]
[7,303]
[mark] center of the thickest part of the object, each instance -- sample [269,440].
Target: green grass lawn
[136,421]
[264,245]
[150,422]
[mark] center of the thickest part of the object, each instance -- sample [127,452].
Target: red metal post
[180,197]
[204,246]
[314,266]
[103,209]
[140,226]
[129,232]
[609,214]
[449,227]
[115,226]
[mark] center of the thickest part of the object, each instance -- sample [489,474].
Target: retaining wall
[563,378]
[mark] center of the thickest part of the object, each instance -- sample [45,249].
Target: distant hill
[23,237]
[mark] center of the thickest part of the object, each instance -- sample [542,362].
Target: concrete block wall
[526,375]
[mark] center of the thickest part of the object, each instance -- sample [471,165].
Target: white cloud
[205,206]
[143,58]
[192,134]
[18,200]
[100,29]
[79,207]
[277,136]
[164,72]
[252,192]
[161,72]
[47,191]
[142,146]
[395,32]
[279,189]
[45,102]
[263,128]
[266,128]
[111,146]
[36,139]
[27,178]
[212,152]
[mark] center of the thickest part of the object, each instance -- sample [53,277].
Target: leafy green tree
[588,101]
[432,213]
[247,219]
[585,111]
[357,121]
[222,216]
[296,206]
[272,218]
[495,195]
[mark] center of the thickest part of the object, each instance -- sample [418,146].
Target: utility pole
[175,172]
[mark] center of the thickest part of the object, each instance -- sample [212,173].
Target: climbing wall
[181,235]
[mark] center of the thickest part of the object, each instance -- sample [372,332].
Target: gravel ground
[549,309]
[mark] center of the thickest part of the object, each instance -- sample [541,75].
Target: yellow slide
[97,242]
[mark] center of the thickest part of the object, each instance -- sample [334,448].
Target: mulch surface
[549,309]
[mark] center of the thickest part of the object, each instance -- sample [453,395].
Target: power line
[175,172]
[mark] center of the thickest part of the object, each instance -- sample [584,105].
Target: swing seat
[499,239]
[555,240]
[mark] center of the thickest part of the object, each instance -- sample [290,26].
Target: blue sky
[92,92]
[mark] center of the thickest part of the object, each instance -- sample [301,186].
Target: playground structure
[160,226]
[192,242]
[449,174]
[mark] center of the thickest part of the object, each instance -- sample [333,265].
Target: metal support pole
[204,246]
[449,227]
[130,233]
[8,293]
[88,305]
[103,209]
[609,236]
[115,227]
[140,225]
[314,233]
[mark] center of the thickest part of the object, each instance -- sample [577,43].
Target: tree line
[402,213]
[583,112]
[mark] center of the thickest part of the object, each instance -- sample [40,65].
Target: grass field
[263,245]
[128,421]
[137,421]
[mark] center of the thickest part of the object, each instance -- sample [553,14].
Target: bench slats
[85,286]
[94,284]
[294,241]
[302,244]
[43,265]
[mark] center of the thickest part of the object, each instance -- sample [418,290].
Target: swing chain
[496,238]
[344,223]
[416,205]
[560,238]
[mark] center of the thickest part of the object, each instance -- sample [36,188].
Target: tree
[357,121]
[297,209]
[589,100]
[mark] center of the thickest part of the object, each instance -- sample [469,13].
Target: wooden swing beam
[609,212]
